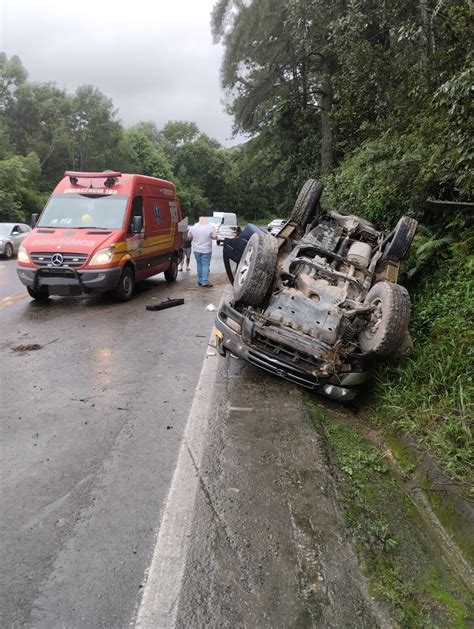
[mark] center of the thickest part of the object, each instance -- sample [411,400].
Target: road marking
[160,601]
[12,299]
[241,408]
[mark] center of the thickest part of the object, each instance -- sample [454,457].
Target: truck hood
[47,240]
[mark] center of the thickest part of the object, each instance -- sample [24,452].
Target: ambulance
[102,231]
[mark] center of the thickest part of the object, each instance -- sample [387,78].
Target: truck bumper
[69,281]
[235,332]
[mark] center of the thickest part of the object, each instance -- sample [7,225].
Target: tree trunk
[327,145]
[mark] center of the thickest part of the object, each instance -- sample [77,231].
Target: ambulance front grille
[68,259]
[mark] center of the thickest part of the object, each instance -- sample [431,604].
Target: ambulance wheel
[39,295]
[126,285]
[171,272]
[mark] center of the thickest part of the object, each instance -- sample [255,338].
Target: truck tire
[126,285]
[402,238]
[388,324]
[306,206]
[171,272]
[40,294]
[256,269]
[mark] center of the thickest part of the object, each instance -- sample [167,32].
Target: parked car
[226,218]
[227,231]
[275,226]
[11,237]
[318,303]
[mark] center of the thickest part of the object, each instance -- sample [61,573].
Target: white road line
[244,409]
[160,601]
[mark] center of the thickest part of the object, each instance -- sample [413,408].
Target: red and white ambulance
[102,232]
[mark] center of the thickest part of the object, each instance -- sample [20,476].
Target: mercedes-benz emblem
[57,259]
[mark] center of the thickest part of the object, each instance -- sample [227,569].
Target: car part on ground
[169,303]
[320,301]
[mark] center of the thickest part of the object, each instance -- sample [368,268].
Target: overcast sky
[155,59]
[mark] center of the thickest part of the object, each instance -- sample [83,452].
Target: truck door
[135,241]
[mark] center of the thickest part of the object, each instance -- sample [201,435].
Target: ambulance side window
[137,210]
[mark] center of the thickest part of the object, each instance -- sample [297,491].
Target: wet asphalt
[95,400]
[10,285]
[268,546]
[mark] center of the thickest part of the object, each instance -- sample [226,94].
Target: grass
[431,393]
[403,569]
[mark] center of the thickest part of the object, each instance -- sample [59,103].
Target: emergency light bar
[110,176]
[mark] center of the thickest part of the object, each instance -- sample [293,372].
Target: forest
[373,98]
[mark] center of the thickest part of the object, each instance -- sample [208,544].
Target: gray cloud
[155,61]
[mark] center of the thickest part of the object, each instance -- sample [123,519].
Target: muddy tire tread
[260,277]
[304,209]
[404,233]
[396,324]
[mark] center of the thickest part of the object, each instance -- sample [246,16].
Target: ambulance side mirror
[137,224]
[34,219]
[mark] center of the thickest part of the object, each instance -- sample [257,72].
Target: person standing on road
[201,235]
[186,250]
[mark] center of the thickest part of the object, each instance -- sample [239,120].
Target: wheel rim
[375,319]
[127,284]
[244,267]
[8,251]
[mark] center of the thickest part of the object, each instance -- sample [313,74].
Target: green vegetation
[430,393]
[403,570]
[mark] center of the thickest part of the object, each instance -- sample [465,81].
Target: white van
[228,218]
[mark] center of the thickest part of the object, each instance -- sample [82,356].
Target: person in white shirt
[201,236]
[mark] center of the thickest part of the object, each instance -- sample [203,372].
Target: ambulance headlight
[23,255]
[103,256]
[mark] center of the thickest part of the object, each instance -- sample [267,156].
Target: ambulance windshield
[80,211]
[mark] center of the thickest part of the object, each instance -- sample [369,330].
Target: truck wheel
[8,251]
[402,239]
[306,206]
[41,294]
[171,272]
[388,324]
[256,269]
[126,285]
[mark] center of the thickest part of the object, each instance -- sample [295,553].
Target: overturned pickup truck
[317,302]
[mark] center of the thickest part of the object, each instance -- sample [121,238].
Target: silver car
[11,237]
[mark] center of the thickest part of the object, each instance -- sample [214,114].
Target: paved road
[95,396]
[148,482]
[10,285]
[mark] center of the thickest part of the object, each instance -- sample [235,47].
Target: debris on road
[27,348]
[169,303]
[211,307]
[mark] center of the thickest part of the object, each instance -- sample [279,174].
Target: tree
[174,135]
[95,132]
[12,75]
[144,156]
[18,181]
